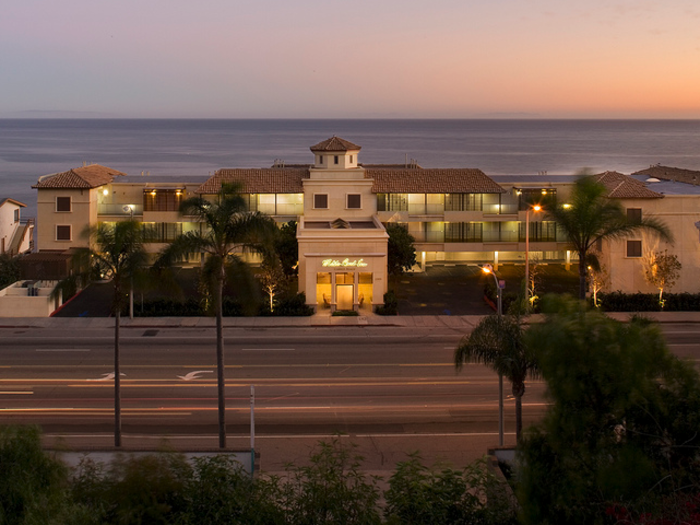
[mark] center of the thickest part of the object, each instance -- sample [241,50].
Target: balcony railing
[477,236]
[500,209]
[120,209]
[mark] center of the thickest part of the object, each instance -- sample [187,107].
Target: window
[63,232]
[162,199]
[634,215]
[17,215]
[351,157]
[634,248]
[320,159]
[63,204]
[321,201]
[354,201]
[335,159]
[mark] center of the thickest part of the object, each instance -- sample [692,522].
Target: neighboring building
[16,233]
[67,203]
[677,204]
[29,299]
[458,216]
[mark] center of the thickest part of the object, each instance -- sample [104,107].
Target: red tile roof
[622,186]
[431,180]
[335,144]
[91,176]
[386,180]
[258,180]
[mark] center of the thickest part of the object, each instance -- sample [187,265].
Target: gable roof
[431,180]
[335,144]
[672,174]
[386,180]
[84,177]
[257,180]
[622,186]
[12,201]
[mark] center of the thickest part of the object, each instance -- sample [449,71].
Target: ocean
[30,148]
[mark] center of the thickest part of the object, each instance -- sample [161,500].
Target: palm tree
[590,216]
[497,341]
[228,231]
[118,255]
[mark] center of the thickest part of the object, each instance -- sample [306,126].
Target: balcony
[122,210]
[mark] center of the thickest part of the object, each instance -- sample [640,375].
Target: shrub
[289,306]
[421,495]
[391,304]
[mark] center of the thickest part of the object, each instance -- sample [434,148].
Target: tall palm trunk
[518,390]
[582,275]
[117,380]
[518,417]
[220,379]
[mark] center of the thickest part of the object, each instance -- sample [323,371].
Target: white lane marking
[193,375]
[107,377]
[16,392]
[63,350]
[267,349]
[286,436]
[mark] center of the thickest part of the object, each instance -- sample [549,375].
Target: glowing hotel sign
[345,263]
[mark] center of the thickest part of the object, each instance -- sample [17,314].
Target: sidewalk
[454,322]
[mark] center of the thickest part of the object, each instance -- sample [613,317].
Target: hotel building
[457,216]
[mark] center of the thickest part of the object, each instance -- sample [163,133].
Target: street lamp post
[535,208]
[487,268]
[131,280]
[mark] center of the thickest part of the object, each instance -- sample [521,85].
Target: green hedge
[648,302]
[292,306]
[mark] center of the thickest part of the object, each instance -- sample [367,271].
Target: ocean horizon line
[364,119]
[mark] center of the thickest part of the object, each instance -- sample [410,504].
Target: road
[369,382]
[306,381]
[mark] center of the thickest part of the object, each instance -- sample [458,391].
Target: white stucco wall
[15,300]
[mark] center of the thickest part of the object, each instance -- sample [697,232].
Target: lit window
[63,204]
[63,232]
[321,201]
[354,201]
[634,248]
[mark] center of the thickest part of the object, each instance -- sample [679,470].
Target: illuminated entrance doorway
[344,290]
[344,296]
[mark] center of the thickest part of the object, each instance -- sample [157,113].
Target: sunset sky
[360,59]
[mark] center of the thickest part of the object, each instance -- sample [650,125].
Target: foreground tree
[622,425]
[287,248]
[229,232]
[401,254]
[497,341]
[272,279]
[9,270]
[118,254]
[590,216]
[34,483]
[662,270]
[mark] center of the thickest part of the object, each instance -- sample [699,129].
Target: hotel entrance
[344,294]
[344,290]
